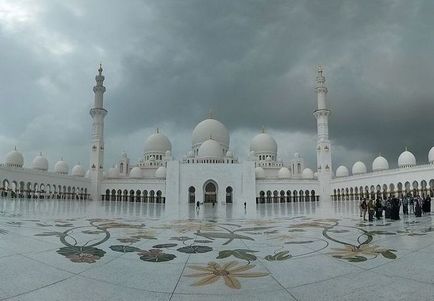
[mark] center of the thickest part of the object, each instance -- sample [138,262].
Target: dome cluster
[405,160]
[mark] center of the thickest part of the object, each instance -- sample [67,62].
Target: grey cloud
[252,62]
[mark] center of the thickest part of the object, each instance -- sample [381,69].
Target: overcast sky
[167,63]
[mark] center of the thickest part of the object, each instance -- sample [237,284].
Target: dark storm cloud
[167,63]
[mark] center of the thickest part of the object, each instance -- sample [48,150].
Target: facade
[211,172]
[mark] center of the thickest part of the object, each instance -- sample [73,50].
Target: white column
[97,140]
[323,147]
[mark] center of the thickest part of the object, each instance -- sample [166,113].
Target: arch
[262,196]
[138,195]
[125,195]
[229,195]
[268,196]
[119,195]
[210,190]
[312,195]
[152,196]
[112,194]
[301,196]
[288,195]
[159,196]
[275,196]
[282,196]
[294,193]
[131,195]
[107,194]
[191,195]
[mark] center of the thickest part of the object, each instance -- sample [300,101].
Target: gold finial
[100,69]
[210,114]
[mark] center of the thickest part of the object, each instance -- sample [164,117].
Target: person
[388,208]
[197,204]
[245,204]
[364,207]
[371,210]
[395,209]
[417,208]
[405,205]
[360,207]
[428,203]
[411,203]
[378,209]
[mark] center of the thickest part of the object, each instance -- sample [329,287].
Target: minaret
[97,141]
[324,157]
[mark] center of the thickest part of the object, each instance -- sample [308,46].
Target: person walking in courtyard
[405,201]
[371,210]
[388,208]
[361,207]
[378,209]
[364,207]
[428,203]
[417,208]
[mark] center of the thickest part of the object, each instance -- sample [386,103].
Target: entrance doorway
[191,195]
[229,194]
[210,193]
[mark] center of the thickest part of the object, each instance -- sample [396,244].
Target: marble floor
[80,250]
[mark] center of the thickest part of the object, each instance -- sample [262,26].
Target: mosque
[211,172]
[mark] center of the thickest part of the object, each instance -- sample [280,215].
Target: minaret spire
[97,140]
[324,159]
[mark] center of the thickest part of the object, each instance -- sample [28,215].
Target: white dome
[158,143]
[431,155]
[380,163]
[259,172]
[160,172]
[113,173]
[190,154]
[284,173]
[263,143]
[78,171]
[61,167]
[14,159]
[136,173]
[168,154]
[210,149]
[87,175]
[315,175]
[40,163]
[406,159]
[124,155]
[307,173]
[210,128]
[342,171]
[229,154]
[359,167]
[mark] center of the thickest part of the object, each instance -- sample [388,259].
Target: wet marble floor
[79,250]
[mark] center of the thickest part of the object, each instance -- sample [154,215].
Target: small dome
[87,175]
[61,167]
[284,173]
[168,154]
[113,173]
[315,175]
[14,159]
[431,155]
[307,173]
[263,143]
[380,163]
[296,155]
[259,172]
[40,163]
[268,158]
[210,149]
[229,154]
[124,155]
[158,143]
[78,171]
[342,171]
[210,128]
[136,173]
[160,172]
[190,154]
[151,158]
[359,168]
[406,159]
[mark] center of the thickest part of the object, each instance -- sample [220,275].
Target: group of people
[391,207]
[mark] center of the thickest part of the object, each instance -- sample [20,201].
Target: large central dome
[210,128]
